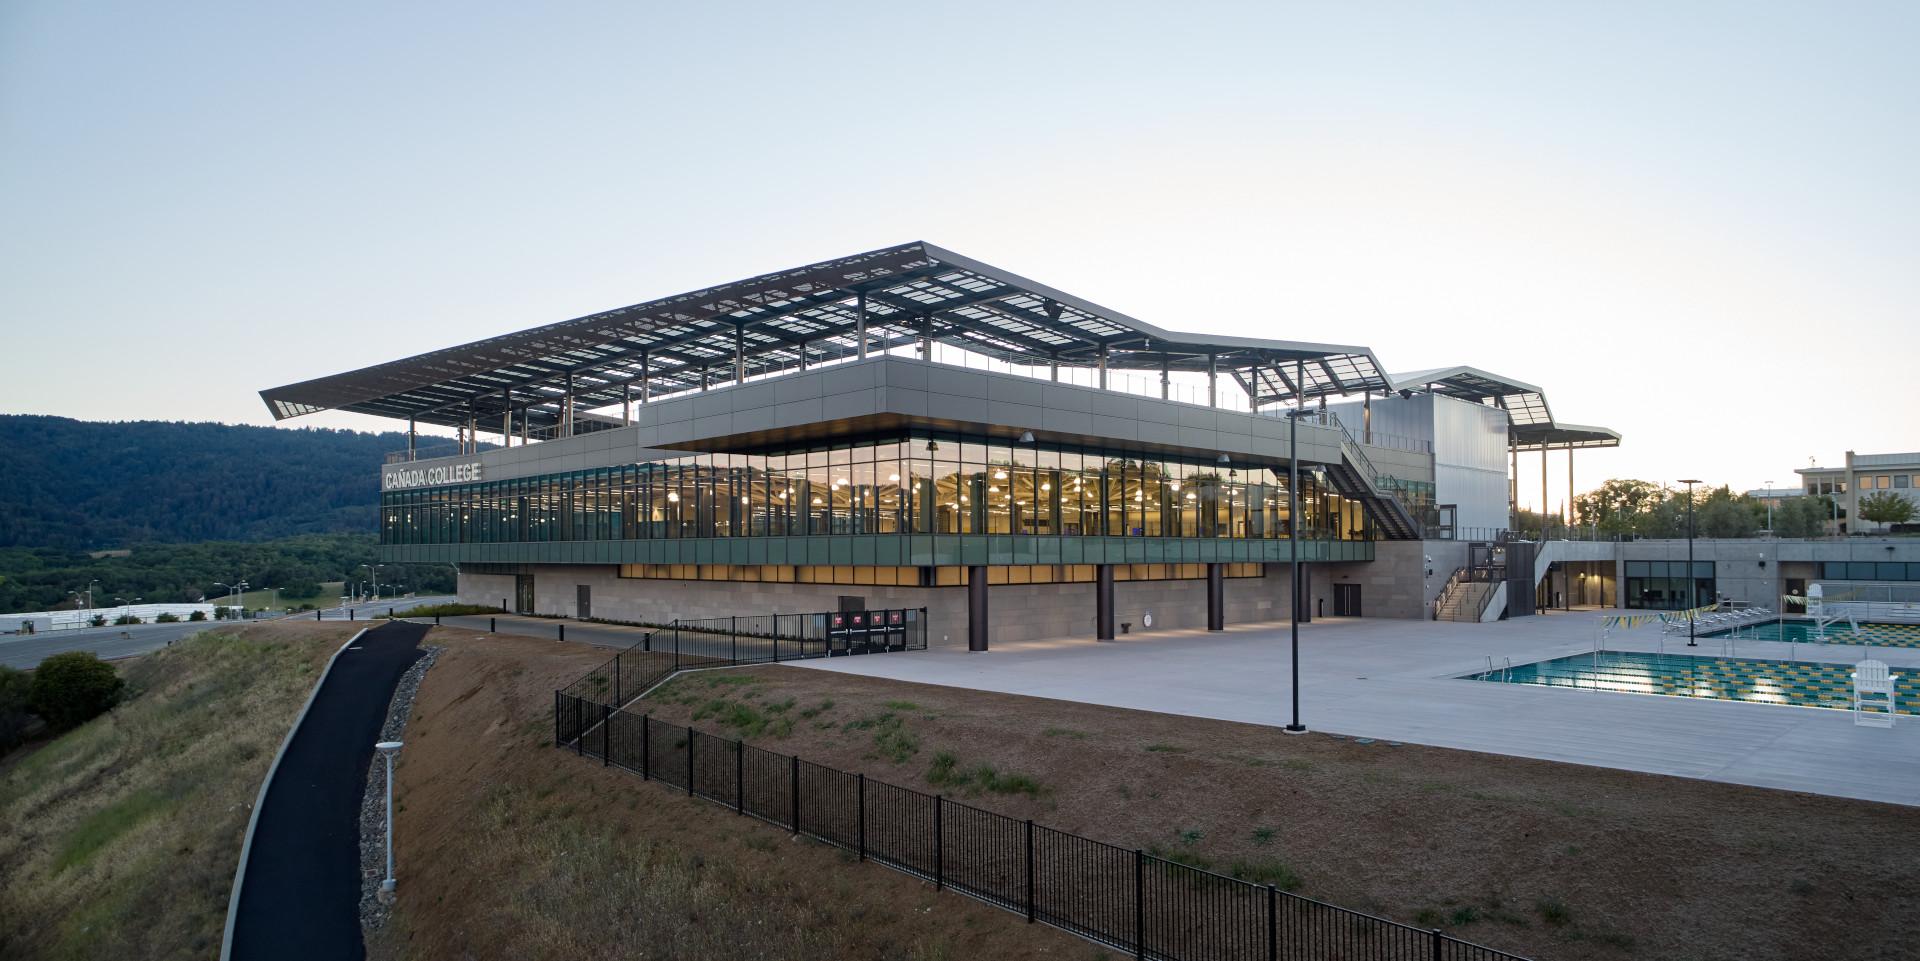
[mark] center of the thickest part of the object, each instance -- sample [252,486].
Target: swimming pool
[1801,631]
[1796,683]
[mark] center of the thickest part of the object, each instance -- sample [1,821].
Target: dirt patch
[122,835]
[507,847]
[1544,859]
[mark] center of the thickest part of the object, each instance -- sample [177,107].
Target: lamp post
[1293,544]
[387,750]
[374,569]
[1693,583]
[1770,500]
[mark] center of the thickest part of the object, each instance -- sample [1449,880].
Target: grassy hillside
[122,836]
[86,485]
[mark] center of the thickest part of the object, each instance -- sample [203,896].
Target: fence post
[861,812]
[646,746]
[493,626]
[1436,944]
[739,776]
[616,680]
[563,632]
[1030,908]
[1139,903]
[556,719]
[579,730]
[676,643]
[349,613]
[606,735]
[646,642]
[795,768]
[689,761]
[735,629]
[939,851]
[1273,927]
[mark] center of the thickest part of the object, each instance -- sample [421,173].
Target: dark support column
[1216,599]
[1305,599]
[976,608]
[1103,602]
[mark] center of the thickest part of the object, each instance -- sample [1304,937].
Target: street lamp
[1293,543]
[1693,583]
[374,569]
[387,750]
[1770,500]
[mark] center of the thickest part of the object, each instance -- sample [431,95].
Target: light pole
[387,750]
[90,597]
[374,569]
[1693,583]
[1293,542]
[1769,508]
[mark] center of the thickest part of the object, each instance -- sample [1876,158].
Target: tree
[1886,507]
[1802,516]
[1619,506]
[15,718]
[1722,513]
[73,688]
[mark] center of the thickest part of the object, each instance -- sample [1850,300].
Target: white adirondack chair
[1873,687]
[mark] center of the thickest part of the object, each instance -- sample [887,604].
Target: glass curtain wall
[918,485]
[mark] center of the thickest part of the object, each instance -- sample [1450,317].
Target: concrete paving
[1399,680]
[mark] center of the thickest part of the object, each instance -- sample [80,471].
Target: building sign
[402,478]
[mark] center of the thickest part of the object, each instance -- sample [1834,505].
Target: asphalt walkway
[301,896]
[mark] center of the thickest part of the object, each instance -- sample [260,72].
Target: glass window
[1902,481]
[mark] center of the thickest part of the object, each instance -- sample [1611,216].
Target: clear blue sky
[1696,223]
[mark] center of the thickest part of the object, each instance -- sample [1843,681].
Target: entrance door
[1346,600]
[523,593]
[583,599]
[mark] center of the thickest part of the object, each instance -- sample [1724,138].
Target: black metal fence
[752,639]
[1147,906]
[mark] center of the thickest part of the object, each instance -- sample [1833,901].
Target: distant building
[1863,474]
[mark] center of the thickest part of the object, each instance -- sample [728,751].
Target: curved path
[300,897]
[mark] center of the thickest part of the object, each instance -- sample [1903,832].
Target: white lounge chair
[1873,688]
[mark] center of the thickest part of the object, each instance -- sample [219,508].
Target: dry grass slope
[122,835]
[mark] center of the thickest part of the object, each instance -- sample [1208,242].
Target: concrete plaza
[1399,680]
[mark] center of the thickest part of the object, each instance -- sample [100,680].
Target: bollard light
[387,750]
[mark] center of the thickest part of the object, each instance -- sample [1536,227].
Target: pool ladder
[1505,672]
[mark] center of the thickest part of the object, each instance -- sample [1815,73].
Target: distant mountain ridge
[94,485]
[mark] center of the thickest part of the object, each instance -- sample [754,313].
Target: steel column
[976,608]
[860,322]
[1216,599]
[1103,602]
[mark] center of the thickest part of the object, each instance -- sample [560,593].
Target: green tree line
[1637,508]
[38,579]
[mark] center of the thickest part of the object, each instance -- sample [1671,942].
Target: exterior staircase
[1356,477]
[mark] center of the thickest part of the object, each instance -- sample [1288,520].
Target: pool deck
[1399,680]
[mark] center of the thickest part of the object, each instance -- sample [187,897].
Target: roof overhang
[805,316]
[1562,437]
[1524,403]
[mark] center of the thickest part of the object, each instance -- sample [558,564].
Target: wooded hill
[89,485]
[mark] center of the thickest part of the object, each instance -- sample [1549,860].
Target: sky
[1698,224]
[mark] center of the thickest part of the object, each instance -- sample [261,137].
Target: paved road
[301,896]
[27,651]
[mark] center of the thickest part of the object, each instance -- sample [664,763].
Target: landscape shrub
[72,688]
[15,718]
[197,616]
[125,619]
[99,620]
[168,617]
